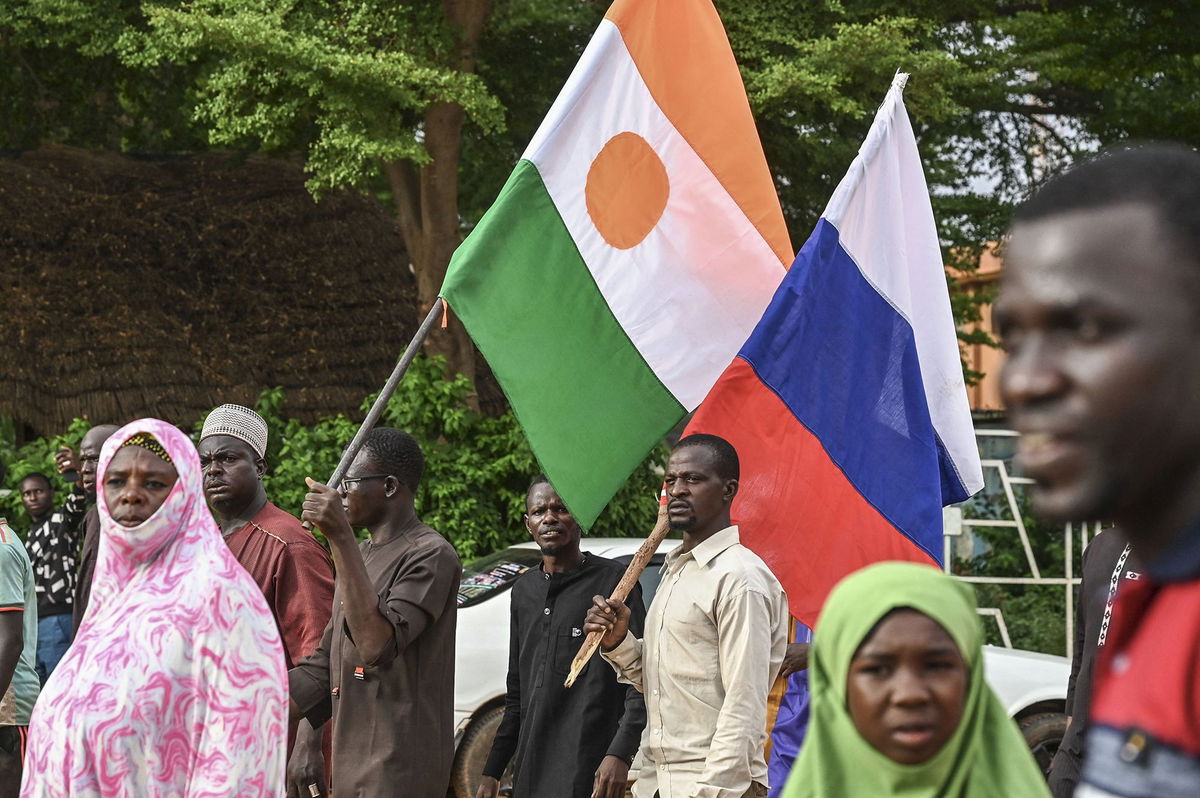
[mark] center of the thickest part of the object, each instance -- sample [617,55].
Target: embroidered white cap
[238,422]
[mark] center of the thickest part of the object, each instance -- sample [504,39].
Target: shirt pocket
[566,645]
[693,641]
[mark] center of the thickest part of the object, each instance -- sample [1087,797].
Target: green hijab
[985,758]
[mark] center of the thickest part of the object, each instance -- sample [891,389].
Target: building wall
[985,395]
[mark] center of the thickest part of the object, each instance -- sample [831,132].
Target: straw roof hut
[164,286]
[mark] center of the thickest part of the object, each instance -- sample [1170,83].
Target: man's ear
[260,467]
[391,486]
[731,489]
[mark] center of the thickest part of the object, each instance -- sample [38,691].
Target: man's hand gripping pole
[621,592]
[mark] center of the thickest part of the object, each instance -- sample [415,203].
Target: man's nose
[1032,373]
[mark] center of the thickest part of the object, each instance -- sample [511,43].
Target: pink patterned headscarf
[175,684]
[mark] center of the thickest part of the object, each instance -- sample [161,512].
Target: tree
[430,103]
[359,88]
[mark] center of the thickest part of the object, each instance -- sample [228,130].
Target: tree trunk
[426,198]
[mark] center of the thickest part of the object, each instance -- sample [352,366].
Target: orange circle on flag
[627,190]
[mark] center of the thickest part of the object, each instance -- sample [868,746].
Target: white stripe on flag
[691,292]
[885,222]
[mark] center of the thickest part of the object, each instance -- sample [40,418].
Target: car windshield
[495,573]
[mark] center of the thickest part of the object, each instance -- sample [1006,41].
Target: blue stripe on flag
[844,361]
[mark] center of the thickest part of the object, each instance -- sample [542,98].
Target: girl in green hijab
[899,703]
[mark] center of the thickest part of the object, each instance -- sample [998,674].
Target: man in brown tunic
[286,561]
[385,668]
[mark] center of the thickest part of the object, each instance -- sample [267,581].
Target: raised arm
[622,650]
[369,628]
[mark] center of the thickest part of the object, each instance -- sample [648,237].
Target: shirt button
[546,611]
[654,692]
[658,731]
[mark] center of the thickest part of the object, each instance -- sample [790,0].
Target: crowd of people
[167,630]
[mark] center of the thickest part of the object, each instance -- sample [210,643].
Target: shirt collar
[1181,560]
[564,575]
[707,550]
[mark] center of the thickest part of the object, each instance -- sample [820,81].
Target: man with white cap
[293,570]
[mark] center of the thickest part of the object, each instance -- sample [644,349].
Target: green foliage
[61,80]
[1001,95]
[346,83]
[477,468]
[35,456]
[1035,614]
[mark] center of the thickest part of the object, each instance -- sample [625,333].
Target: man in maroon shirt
[293,570]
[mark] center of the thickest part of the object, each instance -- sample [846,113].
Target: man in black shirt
[568,743]
[52,543]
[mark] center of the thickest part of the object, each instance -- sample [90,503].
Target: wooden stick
[621,592]
[381,401]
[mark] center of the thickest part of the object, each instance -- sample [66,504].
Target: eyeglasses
[352,482]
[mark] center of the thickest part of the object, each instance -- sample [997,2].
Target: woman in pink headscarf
[175,684]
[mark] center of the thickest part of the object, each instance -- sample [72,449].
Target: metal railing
[1002,484]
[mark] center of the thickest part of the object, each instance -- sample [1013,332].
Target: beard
[683,525]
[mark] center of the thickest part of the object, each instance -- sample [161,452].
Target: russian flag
[847,404]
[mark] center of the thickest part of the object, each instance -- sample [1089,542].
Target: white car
[1032,687]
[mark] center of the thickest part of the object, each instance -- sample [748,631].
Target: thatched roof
[164,286]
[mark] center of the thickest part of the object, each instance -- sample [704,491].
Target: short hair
[724,456]
[398,453]
[538,479]
[1164,177]
[36,475]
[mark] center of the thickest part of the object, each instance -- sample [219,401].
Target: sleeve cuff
[622,752]
[626,653]
[306,690]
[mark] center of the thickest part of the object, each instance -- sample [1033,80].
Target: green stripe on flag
[588,402]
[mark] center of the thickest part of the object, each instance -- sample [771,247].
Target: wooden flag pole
[621,592]
[381,401]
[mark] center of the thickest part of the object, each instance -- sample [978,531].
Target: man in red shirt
[1100,313]
[292,568]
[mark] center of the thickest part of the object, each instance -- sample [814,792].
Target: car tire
[472,755]
[1043,732]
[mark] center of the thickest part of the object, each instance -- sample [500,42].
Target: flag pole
[621,592]
[381,401]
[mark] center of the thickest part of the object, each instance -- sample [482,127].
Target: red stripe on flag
[795,508]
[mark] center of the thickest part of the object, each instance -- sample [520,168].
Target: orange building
[985,395]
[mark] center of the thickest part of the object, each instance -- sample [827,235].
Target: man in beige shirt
[715,636]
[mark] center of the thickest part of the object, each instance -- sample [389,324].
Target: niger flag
[632,250]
